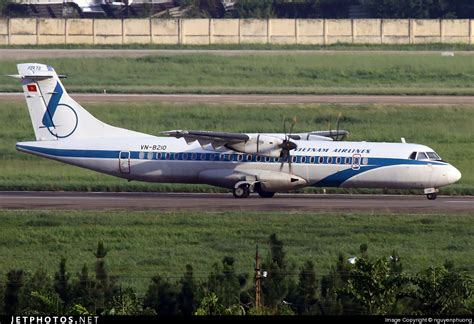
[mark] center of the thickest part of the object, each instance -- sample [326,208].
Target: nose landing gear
[431,196]
[431,193]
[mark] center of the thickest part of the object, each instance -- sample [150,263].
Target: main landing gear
[243,190]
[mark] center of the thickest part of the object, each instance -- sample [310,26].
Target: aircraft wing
[216,139]
[333,134]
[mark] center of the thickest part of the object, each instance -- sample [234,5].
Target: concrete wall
[234,31]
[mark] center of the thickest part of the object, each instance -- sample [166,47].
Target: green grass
[142,244]
[447,129]
[345,73]
[332,47]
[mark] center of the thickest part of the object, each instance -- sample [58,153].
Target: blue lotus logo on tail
[67,121]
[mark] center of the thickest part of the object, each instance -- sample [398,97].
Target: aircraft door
[356,161]
[124,162]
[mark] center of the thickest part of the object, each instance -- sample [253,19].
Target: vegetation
[428,9]
[431,9]
[141,244]
[447,129]
[337,73]
[364,286]
[267,47]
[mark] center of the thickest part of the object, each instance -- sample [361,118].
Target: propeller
[339,135]
[287,145]
[337,126]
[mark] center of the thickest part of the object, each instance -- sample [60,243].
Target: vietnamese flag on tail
[31,87]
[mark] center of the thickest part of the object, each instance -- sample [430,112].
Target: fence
[30,31]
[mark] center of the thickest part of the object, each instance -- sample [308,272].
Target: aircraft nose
[453,174]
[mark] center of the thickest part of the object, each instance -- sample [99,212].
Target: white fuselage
[314,163]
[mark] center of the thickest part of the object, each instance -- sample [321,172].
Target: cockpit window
[433,156]
[421,156]
[424,156]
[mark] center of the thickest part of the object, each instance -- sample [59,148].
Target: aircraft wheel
[266,194]
[241,191]
[431,196]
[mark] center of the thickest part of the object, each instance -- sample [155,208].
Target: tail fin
[54,114]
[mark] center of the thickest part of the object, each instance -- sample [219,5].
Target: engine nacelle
[278,181]
[260,144]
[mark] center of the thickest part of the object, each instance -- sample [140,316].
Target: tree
[100,266]
[160,296]
[126,302]
[424,9]
[440,291]
[396,266]
[15,280]
[2,296]
[45,303]
[39,284]
[224,282]
[371,285]
[82,289]
[3,6]
[254,9]
[210,305]
[276,286]
[331,302]
[305,295]
[186,300]
[104,285]
[61,282]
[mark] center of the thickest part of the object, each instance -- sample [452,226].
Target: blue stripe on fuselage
[336,179]
[333,180]
[70,153]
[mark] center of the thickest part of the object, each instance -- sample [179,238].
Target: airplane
[264,163]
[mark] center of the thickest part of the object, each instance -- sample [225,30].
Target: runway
[259,99]
[304,203]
